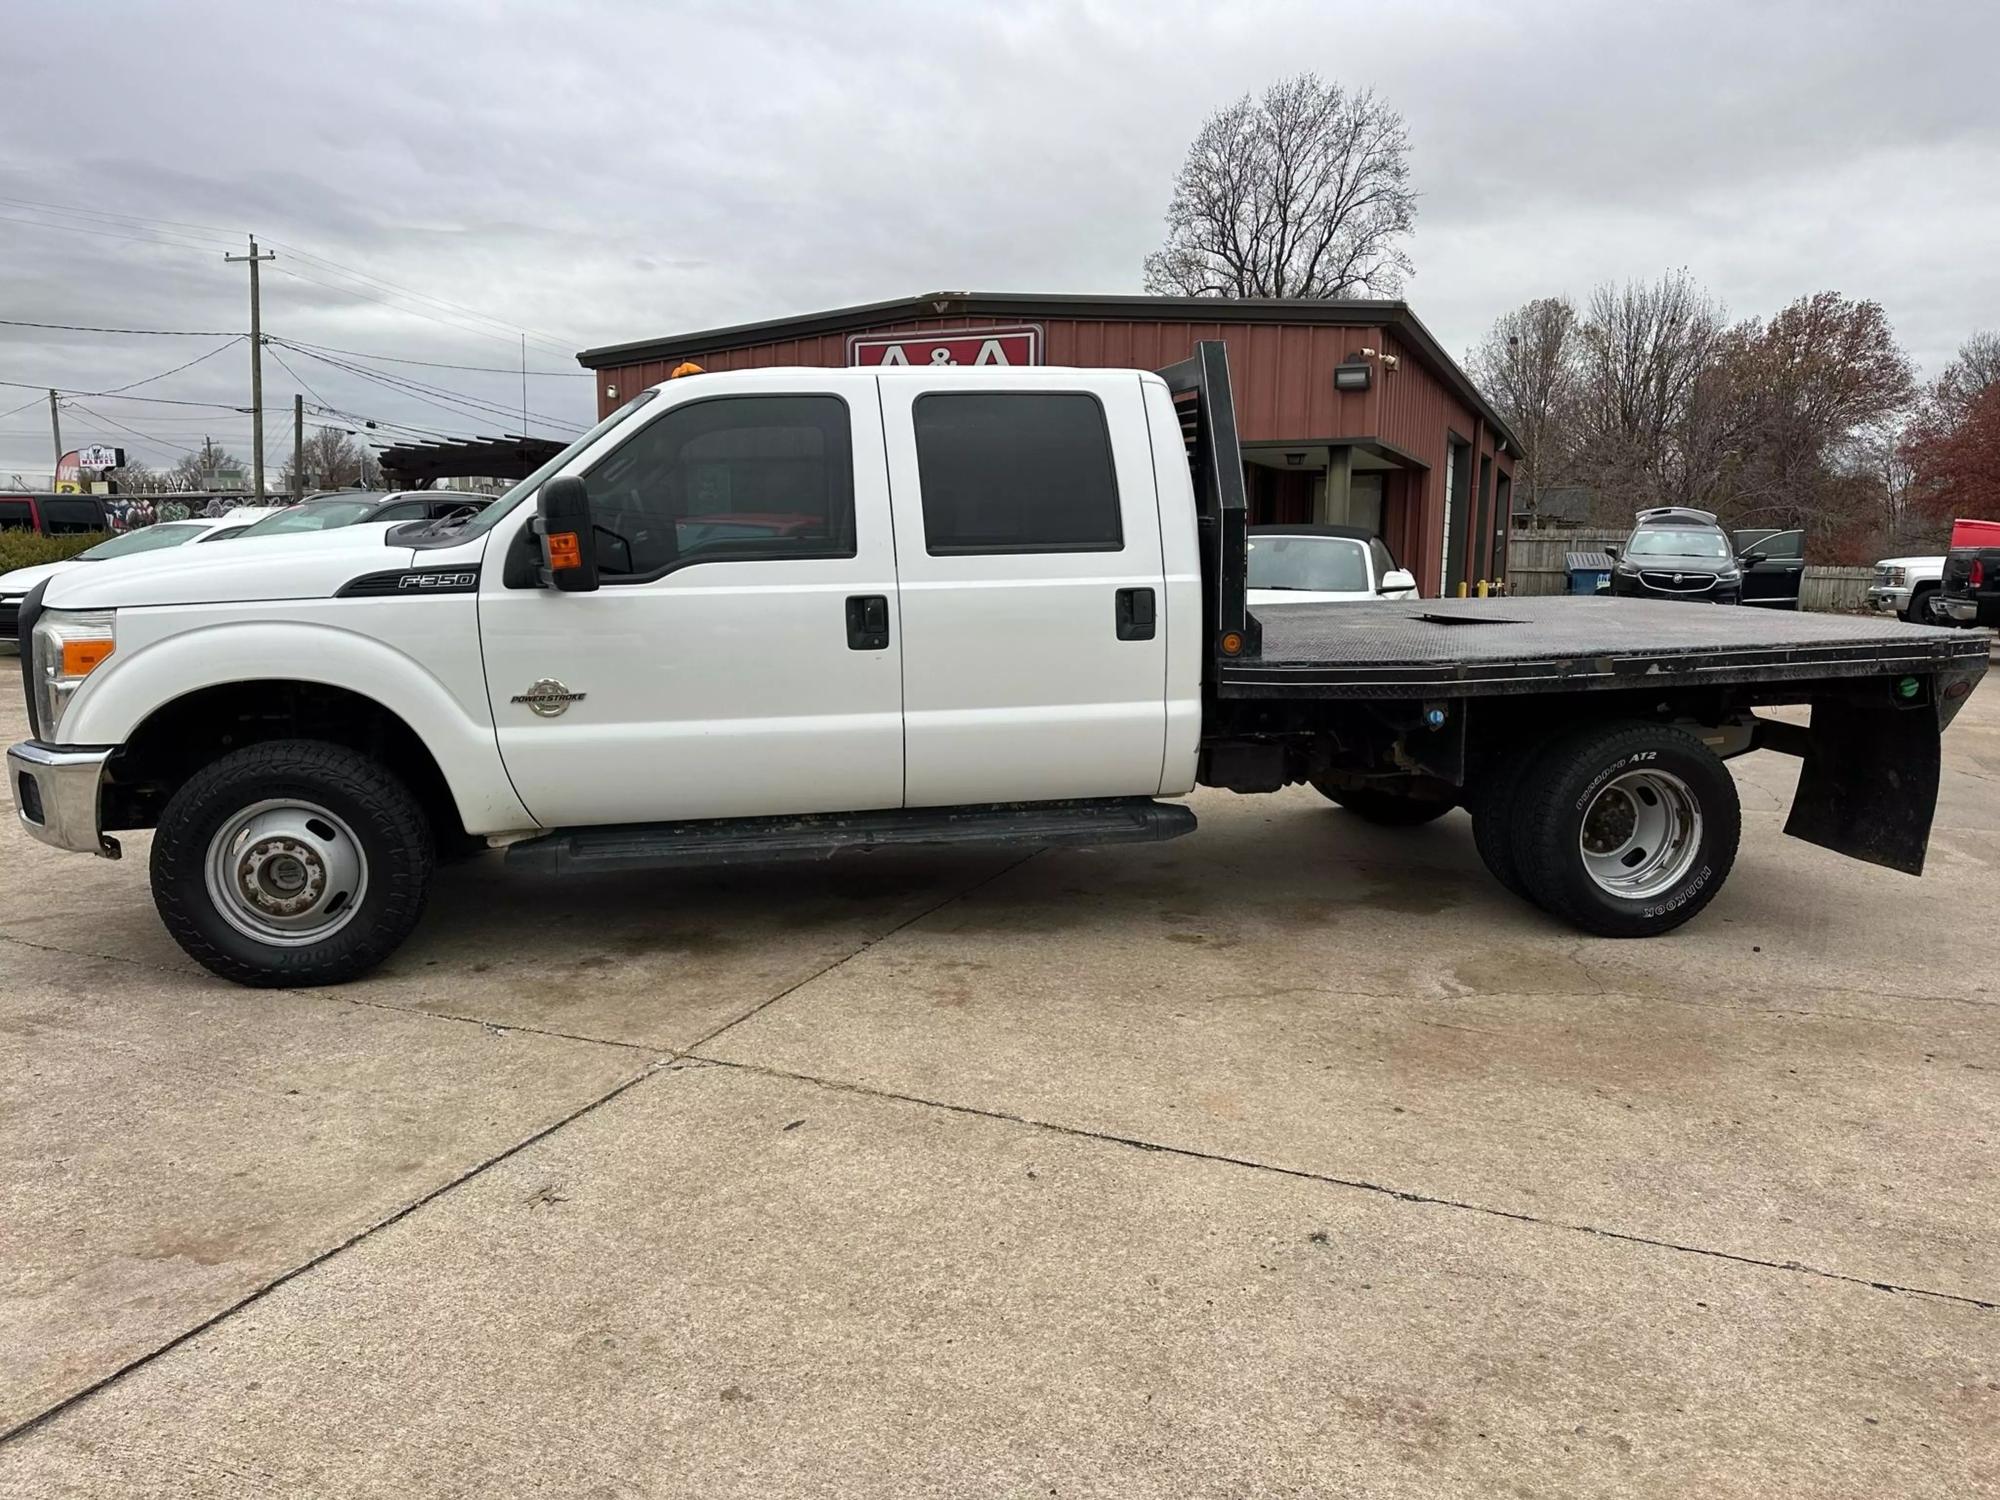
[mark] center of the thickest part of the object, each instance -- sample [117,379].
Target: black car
[1677,553]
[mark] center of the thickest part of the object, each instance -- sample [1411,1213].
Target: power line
[137,239]
[151,400]
[153,438]
[408,312]
[433,364]
[420,391]
[230,344]
[232,235]
[539,334]
[161,333]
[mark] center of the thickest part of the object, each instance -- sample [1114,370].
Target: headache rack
[1200,387]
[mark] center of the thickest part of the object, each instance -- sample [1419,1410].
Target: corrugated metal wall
[1283,379]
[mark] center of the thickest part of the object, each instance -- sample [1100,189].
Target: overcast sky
[598,172]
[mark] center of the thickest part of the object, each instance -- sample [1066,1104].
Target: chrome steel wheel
[286,872]
[1640,834]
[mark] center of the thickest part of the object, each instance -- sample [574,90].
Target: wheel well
[181,737]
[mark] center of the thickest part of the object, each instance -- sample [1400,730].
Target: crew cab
[977,605]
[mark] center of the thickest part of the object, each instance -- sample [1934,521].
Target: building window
[1016,472]
[735,478]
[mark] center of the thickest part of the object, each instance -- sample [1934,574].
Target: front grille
[1678,583]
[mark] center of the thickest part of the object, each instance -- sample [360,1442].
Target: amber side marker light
[686,367]
[81,658]
[1232,643]
[565,551]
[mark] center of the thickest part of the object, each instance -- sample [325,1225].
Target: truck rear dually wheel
[293,862]
[1625,829]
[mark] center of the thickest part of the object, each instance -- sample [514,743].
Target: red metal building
[1349,411]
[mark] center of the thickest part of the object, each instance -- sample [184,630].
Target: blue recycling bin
[1587,571]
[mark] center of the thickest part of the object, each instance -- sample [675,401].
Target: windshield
[314,515]
[1660,542]
[146,539]
[1322,564]
[486,518]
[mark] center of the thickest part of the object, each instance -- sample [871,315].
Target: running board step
[729,841]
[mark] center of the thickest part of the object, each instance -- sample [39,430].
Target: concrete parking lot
[1292,1158]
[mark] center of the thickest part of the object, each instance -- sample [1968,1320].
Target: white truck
[793,612]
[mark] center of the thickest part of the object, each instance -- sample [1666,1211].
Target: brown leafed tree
[1303,192]
[1816,390]
[1954,460]
[1526,365]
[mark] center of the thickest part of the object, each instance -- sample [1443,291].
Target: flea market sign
[949,346]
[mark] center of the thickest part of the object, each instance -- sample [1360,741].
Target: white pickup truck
[793,612]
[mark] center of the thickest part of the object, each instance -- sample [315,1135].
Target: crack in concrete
[1401,1195]
[258,1293]
[792,989]
[202,976]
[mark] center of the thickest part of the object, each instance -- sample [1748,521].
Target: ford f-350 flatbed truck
[778,613]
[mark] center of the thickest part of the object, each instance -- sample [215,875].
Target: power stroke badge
[549,698]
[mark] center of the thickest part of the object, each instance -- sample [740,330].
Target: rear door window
[64,515]
[1017,471]
[16,515]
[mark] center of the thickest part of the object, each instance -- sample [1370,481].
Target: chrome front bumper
[55,792]
[1882,596]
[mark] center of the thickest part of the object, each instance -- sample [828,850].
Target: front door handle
[1136,615]
[868,622]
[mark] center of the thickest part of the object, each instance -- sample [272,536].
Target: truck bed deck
[1488,647]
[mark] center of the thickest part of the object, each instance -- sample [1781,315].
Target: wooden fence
[1535,566]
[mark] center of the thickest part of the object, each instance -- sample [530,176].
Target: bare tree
[1643,346]
[1302,193]
[334,461]
[1526,365]
[193,469]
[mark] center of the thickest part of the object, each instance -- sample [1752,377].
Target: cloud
[602,172]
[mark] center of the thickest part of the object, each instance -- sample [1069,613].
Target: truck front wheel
[1626,829]
[293,862]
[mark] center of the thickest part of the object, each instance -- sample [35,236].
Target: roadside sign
[98,456]
[949,346]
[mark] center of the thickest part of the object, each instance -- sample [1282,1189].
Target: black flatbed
[1464,648]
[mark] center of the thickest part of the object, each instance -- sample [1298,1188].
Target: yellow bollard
[1482,588]
[1461,590]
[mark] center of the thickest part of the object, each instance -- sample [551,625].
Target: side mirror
[1611,550]
[1397,581]
[1751,559]
[569,543]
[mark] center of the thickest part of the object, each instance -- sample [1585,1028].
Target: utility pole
[298,447]
[55,430]
[256,364]
[524,385]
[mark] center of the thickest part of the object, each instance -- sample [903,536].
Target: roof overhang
[1388,313]
[415,465]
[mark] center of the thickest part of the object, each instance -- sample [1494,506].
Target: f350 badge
[549,698]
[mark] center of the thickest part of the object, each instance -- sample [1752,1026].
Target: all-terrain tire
[1492,805]
[1919,612]
[1560,789]
[387,824]
[1384,809]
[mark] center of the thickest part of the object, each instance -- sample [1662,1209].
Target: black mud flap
[1870,783]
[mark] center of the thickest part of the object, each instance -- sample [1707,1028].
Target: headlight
[1732,576]
[1895,578]
[68,647]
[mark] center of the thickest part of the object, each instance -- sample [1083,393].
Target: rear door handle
[1135,615]
[868,622]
